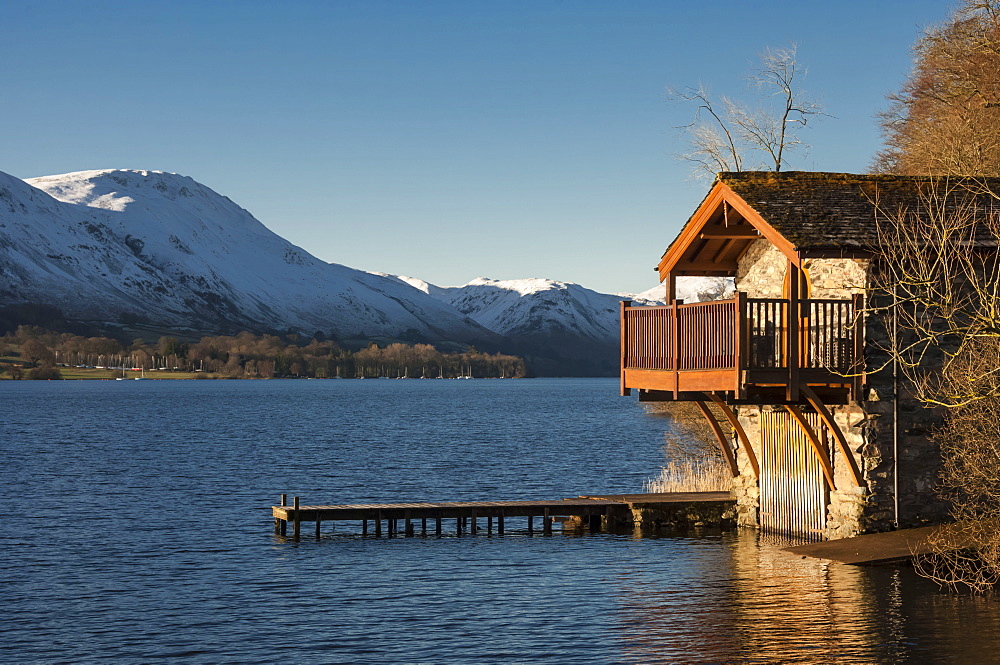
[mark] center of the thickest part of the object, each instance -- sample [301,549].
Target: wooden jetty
[592,510]
[873,548]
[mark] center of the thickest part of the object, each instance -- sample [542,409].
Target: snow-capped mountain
[518,306]
[559,326]
[165,250]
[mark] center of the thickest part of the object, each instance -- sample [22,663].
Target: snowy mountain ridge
[164,249]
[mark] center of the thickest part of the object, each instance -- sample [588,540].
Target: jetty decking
[872,548]
[592,509]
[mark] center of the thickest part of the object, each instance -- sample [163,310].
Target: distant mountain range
[147,251]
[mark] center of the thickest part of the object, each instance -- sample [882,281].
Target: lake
[138,531]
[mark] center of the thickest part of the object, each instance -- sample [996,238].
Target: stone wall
[867,425]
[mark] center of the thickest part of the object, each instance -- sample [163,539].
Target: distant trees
[264,356]
[731,135]
[946,118]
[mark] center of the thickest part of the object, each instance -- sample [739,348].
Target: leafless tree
[724,136]
[938,275]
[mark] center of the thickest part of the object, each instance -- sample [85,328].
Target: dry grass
[692,475]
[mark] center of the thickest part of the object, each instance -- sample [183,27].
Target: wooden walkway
[872,548]
[468,513]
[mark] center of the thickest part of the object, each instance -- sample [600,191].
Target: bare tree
[724,135]
[939,278]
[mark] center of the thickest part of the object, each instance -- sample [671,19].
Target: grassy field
[77,373]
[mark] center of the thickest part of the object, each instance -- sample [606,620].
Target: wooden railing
[742,333]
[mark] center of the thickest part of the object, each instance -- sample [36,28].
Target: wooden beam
[792,336]
[740,432]
[623,356]
[817,446]
[727,452]
[838,435]
[751,234]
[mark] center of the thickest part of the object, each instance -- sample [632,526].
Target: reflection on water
[759,604]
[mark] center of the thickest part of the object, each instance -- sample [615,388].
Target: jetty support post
[547,523]
[408,529]
[317,525]
[531,523]
[437,526]
[378,524]
[364,527]
[296,523]
[279,524]
[500,523]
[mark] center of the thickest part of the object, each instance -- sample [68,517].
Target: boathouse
[821,440]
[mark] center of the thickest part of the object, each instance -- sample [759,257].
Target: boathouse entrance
[793,490]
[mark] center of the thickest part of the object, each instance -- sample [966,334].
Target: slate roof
[815,210]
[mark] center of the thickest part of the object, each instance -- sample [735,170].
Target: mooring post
[489,525]
[475,527]
[378,524]
[500,523]
[594,522]
[409,525]
[437,526]
[297,523]
[531,520]
[458,526]
[284,523]
[423,526]
[317,525]
[364,527]
[547,523]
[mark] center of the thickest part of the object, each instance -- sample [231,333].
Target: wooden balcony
[747,350]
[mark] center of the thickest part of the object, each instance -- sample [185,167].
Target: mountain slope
[164,249]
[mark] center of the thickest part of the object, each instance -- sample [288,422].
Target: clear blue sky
[443,140]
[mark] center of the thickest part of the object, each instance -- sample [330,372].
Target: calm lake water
[137,531]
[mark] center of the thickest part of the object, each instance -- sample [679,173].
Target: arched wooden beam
[824,459]
[740,432]
[727,452]
[831,424]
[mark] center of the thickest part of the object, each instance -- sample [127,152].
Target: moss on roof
[838,210]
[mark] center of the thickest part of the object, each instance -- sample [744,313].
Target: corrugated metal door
[793,492]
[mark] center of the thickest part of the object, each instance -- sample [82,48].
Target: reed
[691,475]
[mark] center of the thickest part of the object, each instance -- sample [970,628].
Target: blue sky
[443,140]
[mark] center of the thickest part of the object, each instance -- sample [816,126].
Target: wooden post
[531,520]
[475,527]
[423,526]
[317,524]
[547,525]
[489,525]
[364,527]
[500,523]
[594,523]
[378,524]
[623,356]
[675,317]
[792,335]
[458,526]
[437,526]
[284,523]
[408,529]
[742,344]
[297,523]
